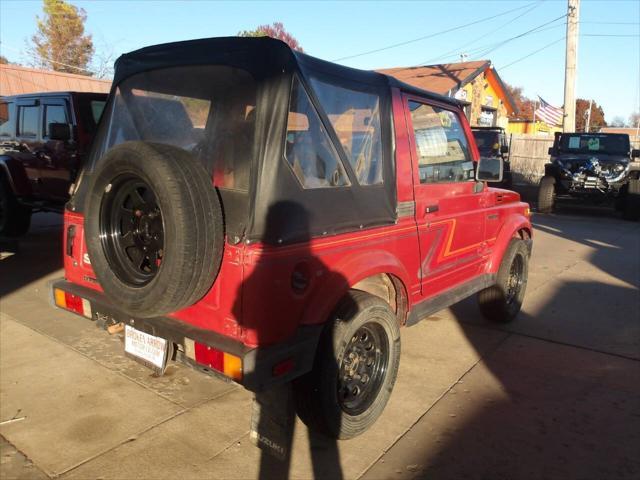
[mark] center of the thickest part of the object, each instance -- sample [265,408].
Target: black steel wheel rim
[363,368]
[132,230]
[515,280]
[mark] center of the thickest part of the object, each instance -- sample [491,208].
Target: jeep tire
[502,301]
[355,368]
[546,194]
[631,200]
[15,218]
[154,228]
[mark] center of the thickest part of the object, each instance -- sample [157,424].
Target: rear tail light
[72,302]
[223,362]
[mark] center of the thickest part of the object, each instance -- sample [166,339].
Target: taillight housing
[72,302]
[226,363]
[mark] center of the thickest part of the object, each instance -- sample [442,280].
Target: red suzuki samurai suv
[269,217]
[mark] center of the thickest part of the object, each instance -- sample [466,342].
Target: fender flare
[349,272]
[514,224]
[16,175]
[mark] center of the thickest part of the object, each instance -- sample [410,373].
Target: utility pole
[586,129]
[570,66]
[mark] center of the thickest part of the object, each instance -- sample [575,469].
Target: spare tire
[153,227]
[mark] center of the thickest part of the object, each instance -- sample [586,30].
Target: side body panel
[450,218]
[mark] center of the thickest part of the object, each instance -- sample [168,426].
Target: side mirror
[551,151]
[635,153]
[504,148]
[490,169]
[60,131]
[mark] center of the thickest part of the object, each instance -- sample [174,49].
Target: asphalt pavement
[555,394]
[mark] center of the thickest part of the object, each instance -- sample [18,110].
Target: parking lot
[556,394]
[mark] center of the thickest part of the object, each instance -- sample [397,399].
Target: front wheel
[546,194]
[355,368]
[631,200]
[501,302]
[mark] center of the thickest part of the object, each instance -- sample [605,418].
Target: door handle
[431,209]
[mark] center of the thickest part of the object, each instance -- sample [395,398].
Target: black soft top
[262,56]
[275,68]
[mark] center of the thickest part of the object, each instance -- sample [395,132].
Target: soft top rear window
[206,110]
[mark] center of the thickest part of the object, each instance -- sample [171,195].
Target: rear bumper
[262,367]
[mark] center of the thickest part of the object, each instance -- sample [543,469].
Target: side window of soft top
[309,150]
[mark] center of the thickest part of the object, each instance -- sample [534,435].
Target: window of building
[441,144]
[309,150]
[355,117]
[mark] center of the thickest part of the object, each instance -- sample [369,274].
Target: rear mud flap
[273,421]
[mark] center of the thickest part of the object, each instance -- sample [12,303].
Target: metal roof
[17,80]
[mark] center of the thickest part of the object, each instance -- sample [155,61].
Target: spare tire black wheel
[154,228]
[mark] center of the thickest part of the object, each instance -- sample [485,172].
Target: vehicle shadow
[557,396]
[594,228]
[534,409]
[274,409]
[29,258]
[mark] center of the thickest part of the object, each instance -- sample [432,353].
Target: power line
[395,45]
[33,56]
[528,32]
[533,53]
[607,35]
[491,47]
[612,23]
[462,48]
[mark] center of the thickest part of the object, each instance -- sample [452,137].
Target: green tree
[275,30]
[3,60]
[60,42]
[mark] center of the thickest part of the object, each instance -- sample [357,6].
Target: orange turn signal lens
[232,366]
[60,299]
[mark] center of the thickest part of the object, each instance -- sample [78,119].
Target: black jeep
[598,168]
[492,143]
[44,138]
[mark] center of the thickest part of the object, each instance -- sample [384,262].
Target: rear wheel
[631,200]
[153,228]
[15,218]
[502,301]
[355,368]
[546,194]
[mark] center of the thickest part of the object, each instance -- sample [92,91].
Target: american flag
[548,113]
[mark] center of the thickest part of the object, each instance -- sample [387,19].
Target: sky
[608,49]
